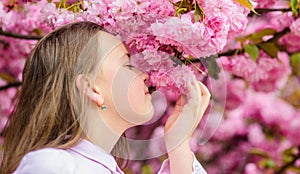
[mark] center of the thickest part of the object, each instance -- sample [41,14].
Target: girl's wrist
[179,150]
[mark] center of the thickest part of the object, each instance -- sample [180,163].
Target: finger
[205,96]
[194,94]
[179,103]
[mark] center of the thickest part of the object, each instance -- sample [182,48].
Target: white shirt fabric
[84,158]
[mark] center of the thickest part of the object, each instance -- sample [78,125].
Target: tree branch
[228,146]
[287,165]
[15,84]
[19,36]
[268,10]
[279,35]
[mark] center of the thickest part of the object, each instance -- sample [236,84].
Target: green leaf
[295,59]
[269,164]
[258,36]
[199,13]
[295,63]
[213,68]
[258,152]
[147,169]
[38,31]
[290,151]
[248,4]
[252,51]
[294,169]
[7,78]
[182,7]
[294,6]
[270,48]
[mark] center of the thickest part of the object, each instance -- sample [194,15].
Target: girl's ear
[83,83]
[95,96]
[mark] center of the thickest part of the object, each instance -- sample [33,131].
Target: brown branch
[287,165]
[19,36]
[279,35]
[268,10]
[273,39]
[15,84]
[229,146]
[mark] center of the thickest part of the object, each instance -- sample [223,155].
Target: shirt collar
[95,153]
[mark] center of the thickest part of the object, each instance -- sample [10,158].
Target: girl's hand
[186,116]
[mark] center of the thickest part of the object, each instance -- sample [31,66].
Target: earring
[103,107]
[97,98]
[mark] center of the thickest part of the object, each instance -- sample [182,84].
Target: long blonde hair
[48,105]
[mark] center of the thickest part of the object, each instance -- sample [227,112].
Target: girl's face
[122,86]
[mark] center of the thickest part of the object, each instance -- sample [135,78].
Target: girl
[69,115]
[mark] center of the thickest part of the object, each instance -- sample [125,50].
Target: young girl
[79,94]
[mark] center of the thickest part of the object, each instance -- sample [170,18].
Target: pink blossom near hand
[163,71]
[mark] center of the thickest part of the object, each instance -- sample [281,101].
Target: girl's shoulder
[47,160]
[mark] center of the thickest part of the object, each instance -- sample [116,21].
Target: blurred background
[249,50]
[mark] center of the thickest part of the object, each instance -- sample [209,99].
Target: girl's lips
[146,93]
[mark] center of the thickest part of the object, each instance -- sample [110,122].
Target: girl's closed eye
[130,66]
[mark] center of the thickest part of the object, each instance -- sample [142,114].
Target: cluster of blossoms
[266,74]
[163,70]
[143,25]
[161,36]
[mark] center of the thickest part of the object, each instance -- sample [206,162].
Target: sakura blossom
[174,43]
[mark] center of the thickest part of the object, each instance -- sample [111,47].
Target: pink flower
[143,42]
[236,91]
[234,119]
[255,135]
[291,42]
[232,15]
[272,3]
[2,11]
[266,74]
[265,3]
[277,71]
[295,27]
[163,71]
[182,33]
[252,168]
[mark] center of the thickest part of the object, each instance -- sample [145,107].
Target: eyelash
[130,66]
